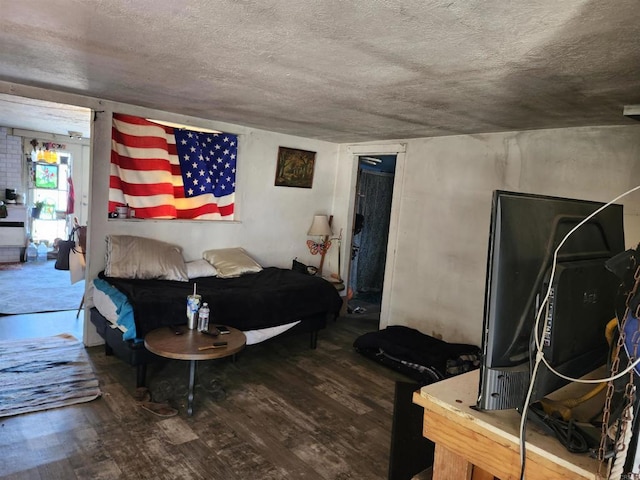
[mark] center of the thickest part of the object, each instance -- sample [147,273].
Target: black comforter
[268,298]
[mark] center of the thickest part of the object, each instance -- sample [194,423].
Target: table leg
[448,464]
[192,381]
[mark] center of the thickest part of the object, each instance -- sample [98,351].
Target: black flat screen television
[525,232]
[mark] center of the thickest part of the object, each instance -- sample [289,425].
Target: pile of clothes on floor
[420,357]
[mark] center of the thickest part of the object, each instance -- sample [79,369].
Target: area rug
[38,287]
[43,373]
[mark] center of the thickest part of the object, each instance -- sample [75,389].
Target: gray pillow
[138,257]
[200,268]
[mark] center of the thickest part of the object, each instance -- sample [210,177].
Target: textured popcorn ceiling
[343,71]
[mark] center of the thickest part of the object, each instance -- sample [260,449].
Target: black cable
[567,432]
[523,459]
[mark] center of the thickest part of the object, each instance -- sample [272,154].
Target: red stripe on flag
[145,164]
[161,211]
[197,212]
[178,192]
[141,190]
[134,141]
[227,210]
[206,209]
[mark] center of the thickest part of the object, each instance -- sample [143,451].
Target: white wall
[443,211]
[11,161]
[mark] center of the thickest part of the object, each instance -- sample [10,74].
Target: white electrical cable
[539,353]
[548,294]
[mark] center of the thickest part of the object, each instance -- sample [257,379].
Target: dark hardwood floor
[285,412]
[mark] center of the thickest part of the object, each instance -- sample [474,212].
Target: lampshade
[320,227]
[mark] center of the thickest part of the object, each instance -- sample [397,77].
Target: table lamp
[321,228]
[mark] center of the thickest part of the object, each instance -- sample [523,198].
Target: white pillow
[231,262]
[138,257]
[200,268]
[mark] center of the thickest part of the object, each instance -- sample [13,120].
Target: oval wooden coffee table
[193,346]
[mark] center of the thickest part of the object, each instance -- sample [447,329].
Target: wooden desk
[489,441]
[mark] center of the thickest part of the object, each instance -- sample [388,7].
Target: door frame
[399,150]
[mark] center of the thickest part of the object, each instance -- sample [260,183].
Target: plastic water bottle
[32,252]
[42,252]
[203,318]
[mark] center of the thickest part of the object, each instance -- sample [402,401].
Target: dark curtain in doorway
[376,190]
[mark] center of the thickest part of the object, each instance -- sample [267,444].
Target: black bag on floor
[419,356]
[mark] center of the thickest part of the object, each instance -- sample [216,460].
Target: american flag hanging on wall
[166,172]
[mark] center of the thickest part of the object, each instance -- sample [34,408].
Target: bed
[130,301]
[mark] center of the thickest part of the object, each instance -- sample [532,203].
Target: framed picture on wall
[295,168]
[46,176]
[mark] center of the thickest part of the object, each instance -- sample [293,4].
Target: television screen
[46,176]
[525,231]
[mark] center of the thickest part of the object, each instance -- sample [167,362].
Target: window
[51,187]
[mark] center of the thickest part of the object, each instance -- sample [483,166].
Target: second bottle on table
[203,318]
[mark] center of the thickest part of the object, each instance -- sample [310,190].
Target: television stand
[472,444]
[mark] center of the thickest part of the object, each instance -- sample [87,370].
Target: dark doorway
[374,192]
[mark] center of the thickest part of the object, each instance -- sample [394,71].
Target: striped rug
[43,373]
